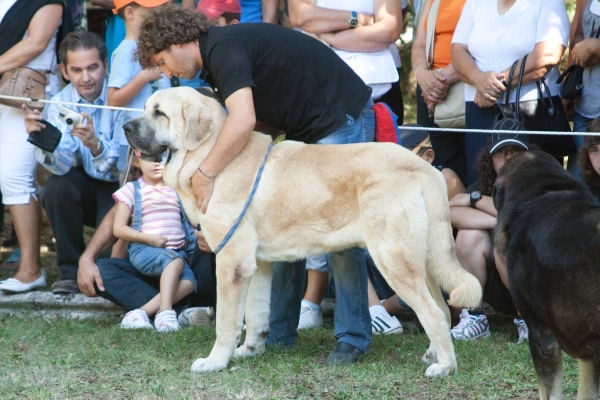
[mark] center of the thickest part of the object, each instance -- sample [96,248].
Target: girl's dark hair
[486,175]
[135,172]
[591,177]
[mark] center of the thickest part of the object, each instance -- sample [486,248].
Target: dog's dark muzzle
[141,137]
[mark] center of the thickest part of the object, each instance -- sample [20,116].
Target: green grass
[61,359]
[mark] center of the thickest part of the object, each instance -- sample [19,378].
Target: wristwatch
[475,197]
[353,20]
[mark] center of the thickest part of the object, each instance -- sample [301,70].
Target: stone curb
[47,304]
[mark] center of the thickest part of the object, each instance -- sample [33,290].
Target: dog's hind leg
[430,356]
[257,311]
[589,380]
[233,277]
[547,360]
[408,279]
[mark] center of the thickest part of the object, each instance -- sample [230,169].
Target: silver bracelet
[207,176]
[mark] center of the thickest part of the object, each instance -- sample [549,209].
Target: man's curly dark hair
[591,177]
[165,26]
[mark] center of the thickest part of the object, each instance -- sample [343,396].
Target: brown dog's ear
[198,123]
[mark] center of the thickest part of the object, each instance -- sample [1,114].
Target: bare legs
[171,289]
[26,220]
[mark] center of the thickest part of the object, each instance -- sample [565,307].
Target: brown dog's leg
[258,303]
[547,359]
[589,380]
[233,278]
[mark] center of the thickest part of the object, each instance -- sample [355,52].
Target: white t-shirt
[496,41]
[378,68]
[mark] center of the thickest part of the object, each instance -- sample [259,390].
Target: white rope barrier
[489,131]
[27,100]
[421,128]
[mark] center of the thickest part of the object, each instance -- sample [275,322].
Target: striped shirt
[161,213]
[71,152]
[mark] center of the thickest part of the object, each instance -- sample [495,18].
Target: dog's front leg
[233,278]
[258,303]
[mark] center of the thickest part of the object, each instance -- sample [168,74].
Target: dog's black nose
[128,127]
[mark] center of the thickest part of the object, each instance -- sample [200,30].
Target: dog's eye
[158,113]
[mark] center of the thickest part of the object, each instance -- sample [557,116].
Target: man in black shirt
[293,83]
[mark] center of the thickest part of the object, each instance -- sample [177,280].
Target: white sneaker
[471,327]
[522,330]
[310,318]
[196,316]
[136,319]
[12,285]
[383,324]
[166,321]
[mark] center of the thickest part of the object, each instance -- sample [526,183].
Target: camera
[70,117]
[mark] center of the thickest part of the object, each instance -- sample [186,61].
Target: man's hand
[86,133]
[461,200]
[157,241]
[202,188]
[87,275]
[33,120]
[202,242]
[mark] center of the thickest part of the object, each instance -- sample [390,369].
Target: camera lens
[69,121]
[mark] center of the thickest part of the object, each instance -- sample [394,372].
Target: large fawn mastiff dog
[312,199]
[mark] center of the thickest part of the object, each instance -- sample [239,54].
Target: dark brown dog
[549,230]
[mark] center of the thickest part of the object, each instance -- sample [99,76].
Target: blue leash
[239,219]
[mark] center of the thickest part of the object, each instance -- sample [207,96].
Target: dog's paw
[430,357]
[203,365]
[248,351]
[439,371]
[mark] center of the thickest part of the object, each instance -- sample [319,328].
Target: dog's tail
[442,264]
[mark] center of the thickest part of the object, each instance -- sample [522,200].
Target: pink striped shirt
[161,214]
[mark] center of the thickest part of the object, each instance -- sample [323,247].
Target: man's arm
[88,272]
[233,136]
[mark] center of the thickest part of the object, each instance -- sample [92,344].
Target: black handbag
[507,114]
[543,114]
[571,80]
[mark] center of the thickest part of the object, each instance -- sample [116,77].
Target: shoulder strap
[517,99]
[431,19]
[509,84]
[136,222]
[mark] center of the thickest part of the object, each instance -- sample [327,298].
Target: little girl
[589,159]
[157,237]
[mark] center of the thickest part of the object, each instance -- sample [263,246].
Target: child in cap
[474,214]
[128,84]
[223,12]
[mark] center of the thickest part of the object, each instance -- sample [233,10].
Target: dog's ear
[198,123]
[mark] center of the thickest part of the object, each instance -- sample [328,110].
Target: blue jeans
[476,118]
[127,287]
[351,313]
[152,261]
[579,125]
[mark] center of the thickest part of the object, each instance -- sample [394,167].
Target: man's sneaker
[522,330]
[310,318]
[383,324]
[166,321]
[471,327]
[196,316]
[136,319]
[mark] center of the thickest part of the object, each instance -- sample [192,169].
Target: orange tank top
[447,19]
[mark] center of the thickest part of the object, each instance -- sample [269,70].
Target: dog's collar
[239,219]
